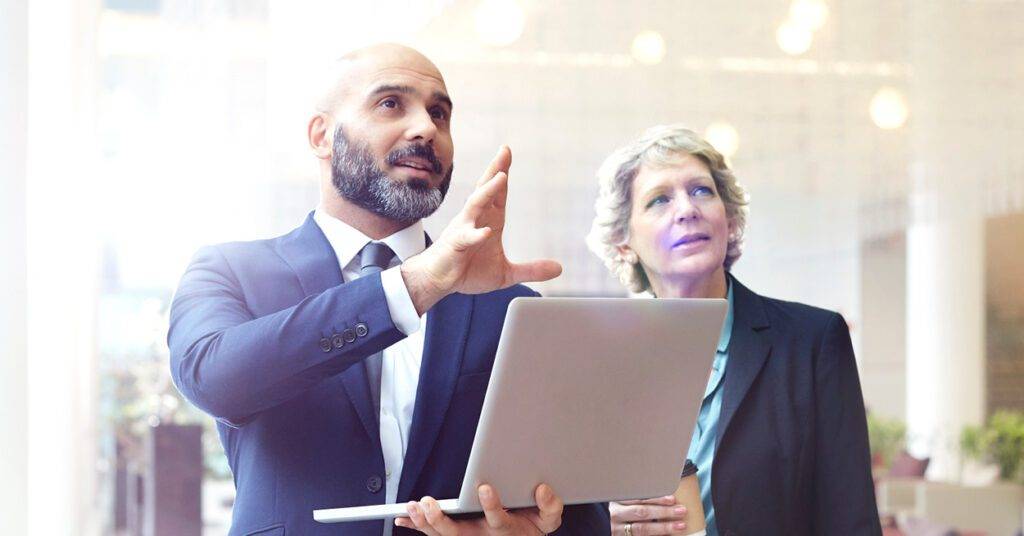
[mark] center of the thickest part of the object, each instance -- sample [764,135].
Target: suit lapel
[749,348]
[447,330]
[312,258]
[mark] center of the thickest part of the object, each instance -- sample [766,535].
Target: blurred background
[879,140]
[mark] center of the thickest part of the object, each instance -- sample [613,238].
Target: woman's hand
[648,517]
[426,517]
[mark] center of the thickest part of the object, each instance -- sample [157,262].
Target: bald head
[390,53]
[356,69]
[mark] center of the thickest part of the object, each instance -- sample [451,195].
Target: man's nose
[421,127]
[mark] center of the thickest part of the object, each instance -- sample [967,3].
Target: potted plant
[1000,442]
[887,438]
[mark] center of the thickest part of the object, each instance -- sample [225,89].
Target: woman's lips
[691,241]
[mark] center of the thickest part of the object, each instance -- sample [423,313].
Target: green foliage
[887,438]
[973,441]
[1000,441]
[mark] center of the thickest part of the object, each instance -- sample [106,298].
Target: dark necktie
[374,258]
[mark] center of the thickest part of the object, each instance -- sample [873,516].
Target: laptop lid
[597,397]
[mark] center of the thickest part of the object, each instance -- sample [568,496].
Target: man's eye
[439,113]
[389,103]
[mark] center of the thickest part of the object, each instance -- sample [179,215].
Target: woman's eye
[703,191]
[661,199]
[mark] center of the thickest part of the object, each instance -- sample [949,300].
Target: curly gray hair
[659,146]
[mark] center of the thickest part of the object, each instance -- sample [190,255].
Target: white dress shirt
[400,364]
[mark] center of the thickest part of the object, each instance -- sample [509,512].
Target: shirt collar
[347,241]
[726,334]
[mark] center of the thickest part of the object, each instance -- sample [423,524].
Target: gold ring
[628,529]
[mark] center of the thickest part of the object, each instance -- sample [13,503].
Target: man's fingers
[648,512]
[501,197]
[405,522]
[541,270]
[501,162]
[484,196]
[549,509]
[468,238]
[438,521]
[495,514]
[419,519]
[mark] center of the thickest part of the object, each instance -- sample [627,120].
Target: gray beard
[360,180]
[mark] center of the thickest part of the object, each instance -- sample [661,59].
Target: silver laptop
[596,397]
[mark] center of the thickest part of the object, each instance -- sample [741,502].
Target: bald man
[346,361]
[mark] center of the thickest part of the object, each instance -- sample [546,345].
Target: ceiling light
[648,47]
[794,39]
[889,108]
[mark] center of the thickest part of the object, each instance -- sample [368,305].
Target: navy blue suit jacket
[254,339]
[792,449]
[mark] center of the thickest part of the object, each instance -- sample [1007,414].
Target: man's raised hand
[469,256]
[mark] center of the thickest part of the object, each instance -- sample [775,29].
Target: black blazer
[791,455]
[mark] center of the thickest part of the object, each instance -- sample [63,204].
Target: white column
[62,200]
[945,241]
[13,388]
[945,323]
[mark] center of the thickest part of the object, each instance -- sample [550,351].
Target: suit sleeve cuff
[403,312]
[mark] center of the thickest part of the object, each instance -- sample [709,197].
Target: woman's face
[678,229]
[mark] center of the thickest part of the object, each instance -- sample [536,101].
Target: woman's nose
[685,210]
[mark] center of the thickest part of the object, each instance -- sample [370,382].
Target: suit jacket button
[361,329]
[374,483]
[325,344]
[337,341]
[349,334]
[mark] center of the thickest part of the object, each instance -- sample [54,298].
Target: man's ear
[319,134]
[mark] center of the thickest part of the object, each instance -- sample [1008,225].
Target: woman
[781,439]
